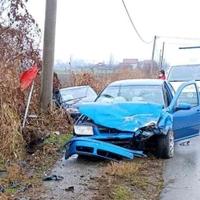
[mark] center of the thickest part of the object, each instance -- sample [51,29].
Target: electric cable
[133,25]
[179,38]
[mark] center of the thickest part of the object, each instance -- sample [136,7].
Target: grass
[141,182]
[51,149]
[122,169]
[121,193]
[58,140]
[11,190]
[2,164]
[39,162]
[137,179]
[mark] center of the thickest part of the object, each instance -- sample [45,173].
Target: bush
[99,81]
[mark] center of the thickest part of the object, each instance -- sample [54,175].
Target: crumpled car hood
[133,118]
[127,116]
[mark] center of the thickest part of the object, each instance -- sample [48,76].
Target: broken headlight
[149,126]
[83,130]
[148,130]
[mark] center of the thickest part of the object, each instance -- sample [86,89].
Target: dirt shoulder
[137,179]
[82,178]
[100,180]
[23,178]
[79,179]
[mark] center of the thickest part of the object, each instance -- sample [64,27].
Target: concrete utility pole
[48,54]
[153,52]
[162,55]
[154,47]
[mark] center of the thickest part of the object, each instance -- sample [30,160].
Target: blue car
[132,117]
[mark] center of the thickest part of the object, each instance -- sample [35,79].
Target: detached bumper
[96,148]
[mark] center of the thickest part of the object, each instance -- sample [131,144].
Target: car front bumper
[97,148]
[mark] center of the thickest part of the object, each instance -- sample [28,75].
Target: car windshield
[132,93]
[73,93]
[184,73]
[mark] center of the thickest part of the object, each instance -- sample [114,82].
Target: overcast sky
[95,29]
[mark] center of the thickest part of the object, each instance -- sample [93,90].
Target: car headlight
[83,130]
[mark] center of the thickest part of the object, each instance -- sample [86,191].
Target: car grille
[103,129]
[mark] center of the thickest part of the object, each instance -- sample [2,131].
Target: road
[79,179]
[181,176]
[182,173]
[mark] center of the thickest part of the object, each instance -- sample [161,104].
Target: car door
[186,121]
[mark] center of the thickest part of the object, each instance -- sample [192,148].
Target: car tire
[166,145]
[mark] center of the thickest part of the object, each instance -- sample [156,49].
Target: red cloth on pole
[27,77]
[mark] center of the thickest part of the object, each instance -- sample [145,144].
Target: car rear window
[184,73]
[73,93]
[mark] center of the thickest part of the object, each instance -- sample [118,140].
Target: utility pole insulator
[48,54]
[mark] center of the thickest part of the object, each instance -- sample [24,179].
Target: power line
[133,25]
[179,43]
[170,40]
[179,38]
[190,47]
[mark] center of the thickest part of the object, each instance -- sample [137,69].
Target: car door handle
[198,110]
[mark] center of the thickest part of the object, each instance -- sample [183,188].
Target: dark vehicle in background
[182,73]
[72,97]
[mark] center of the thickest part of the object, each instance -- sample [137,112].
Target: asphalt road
[181,176]
[79,179]
[182,173]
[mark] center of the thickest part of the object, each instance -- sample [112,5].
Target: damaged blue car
[132,117]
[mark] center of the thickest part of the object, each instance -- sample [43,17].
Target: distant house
[102,68]
[129,63]
[147,64]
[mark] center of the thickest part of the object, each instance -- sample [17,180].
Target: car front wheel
[166,145]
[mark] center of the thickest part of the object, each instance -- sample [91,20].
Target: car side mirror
[183,106]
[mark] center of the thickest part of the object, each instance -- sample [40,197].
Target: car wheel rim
[171,144]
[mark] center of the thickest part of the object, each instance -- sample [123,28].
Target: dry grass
[39,128]
[14,141]
[4,197]
[11,140]
[27,175]
[15,172]
[121,192]
[99,81]
[15,179]
[122,169]
[137,179]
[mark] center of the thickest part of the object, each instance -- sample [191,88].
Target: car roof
[138,82]
[75,87]
[186,65]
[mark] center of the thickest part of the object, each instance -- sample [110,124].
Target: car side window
[188,95]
